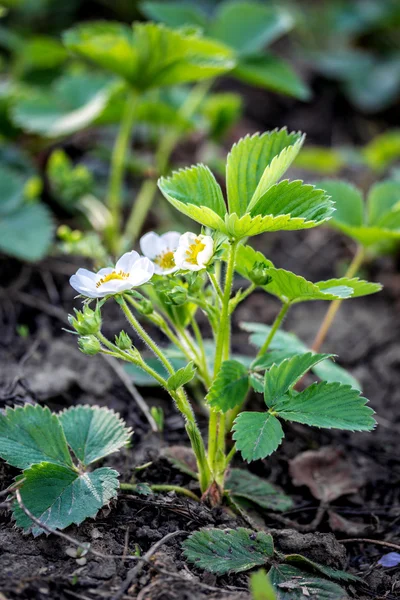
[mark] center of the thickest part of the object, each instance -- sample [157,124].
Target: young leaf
[181,377]
[195,192]
[256,434]
[149,55]
[228,550]
[32,434]
[283,377]
[243,484]
[292,584]
[330,405]
[261,587]
[93,432]
[59,496]
[257,162]
[230,387]
[249,26]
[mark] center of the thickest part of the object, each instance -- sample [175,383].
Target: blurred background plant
[91,114]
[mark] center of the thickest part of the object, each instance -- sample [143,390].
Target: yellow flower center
[194,250]
[165,260]
[111,277]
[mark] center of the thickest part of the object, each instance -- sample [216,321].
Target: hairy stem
[131,487]
[334,306]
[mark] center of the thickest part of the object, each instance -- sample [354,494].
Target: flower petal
[170,240]
[126,262]
[150,244]
[187,239]
[204,257]
[84,286]
[180,256]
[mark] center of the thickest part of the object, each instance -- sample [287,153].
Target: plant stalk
[277,323]
[117,169]
[334,306]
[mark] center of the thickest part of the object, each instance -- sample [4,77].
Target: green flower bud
[259,274]
[177,296]
[86,322]
[88,344]
[123,341]
[145,307]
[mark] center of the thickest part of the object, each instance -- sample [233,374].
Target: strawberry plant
[181,275]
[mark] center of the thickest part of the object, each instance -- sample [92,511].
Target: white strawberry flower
[130,271]
[160,250]
[194,251]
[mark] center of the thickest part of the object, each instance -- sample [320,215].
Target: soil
[46,367]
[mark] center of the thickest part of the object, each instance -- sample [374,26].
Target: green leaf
[195,192]
[72,103]
[243,484]
[330,371]
[247,258]
[230,387]
[32,434]
[174,14]
[359,287]
[68,183]
[181,377]
[35,222]
[291,288]
[383,150]
[249,26]
[149,55]
[221,111]
[331,405]
[283,377]
[305,563]
[349,205]
[272,73]
[59,496]
[261,587]
[319,159]
[223,551]
[255,163]
[93,432]
[292,584]
[256,434]
[383,204]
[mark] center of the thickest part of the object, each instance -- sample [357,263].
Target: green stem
[203,356]
[117,167]
[216,431]
[145,336]
[131,487]
[334,306]
[274,329]
[216,286]
[140,210]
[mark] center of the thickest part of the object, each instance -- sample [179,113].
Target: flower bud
[177,296]
[86,322]
[145,307]
[123,341]
[259,274]
[89,344]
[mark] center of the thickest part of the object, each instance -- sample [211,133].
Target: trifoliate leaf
[261,587]
[256,434]
[243,484]
[255,163]
[93,432]
[32,434]
[331,405]
[149,55]
[249,26]
[228,550]
[181,377]
[72,103]
[272,73]
[195,192]
[59,496]
[292,584]
[279,379]
[230,387]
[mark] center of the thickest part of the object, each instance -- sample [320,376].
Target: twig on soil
[371,541]
[135,571]
[138,398]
